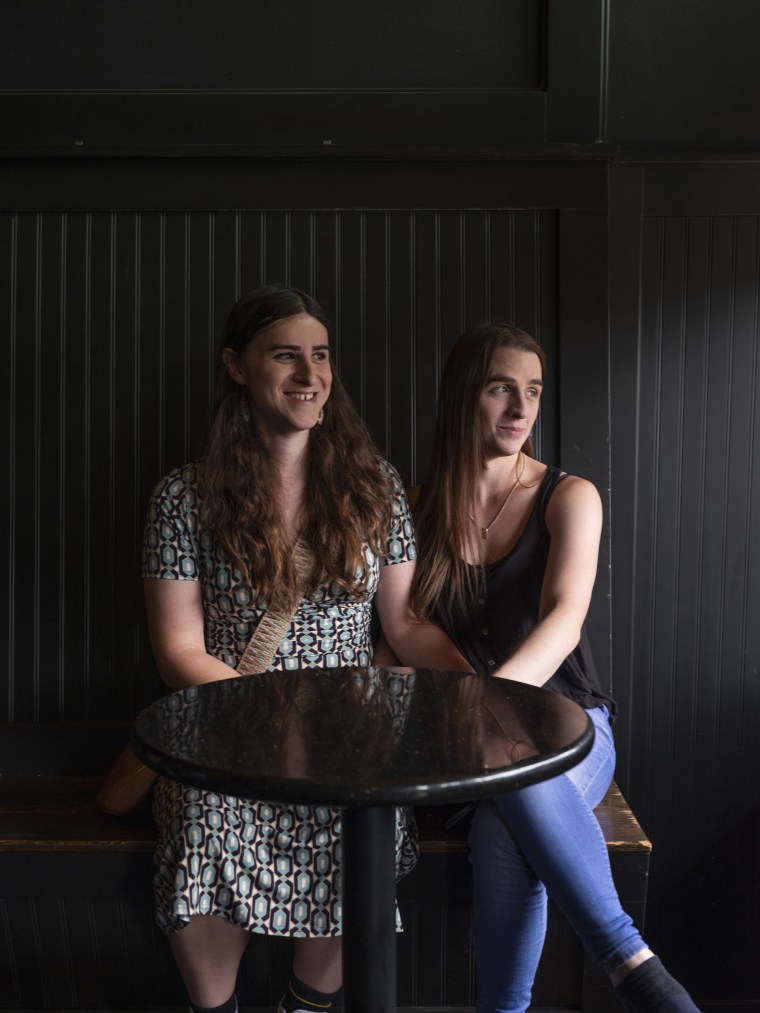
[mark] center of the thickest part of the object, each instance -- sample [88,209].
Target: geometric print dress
[271,868]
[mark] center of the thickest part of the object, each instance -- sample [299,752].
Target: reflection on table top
[362,736]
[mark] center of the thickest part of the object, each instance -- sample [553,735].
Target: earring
[245,411]
[321,417]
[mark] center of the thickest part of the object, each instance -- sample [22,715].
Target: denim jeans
[541,838]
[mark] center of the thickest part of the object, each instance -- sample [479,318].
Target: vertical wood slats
[113,321]
[696,594]
[78,932]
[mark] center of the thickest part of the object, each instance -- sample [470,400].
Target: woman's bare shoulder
[574,496]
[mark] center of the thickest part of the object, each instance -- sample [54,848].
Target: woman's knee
[592,776]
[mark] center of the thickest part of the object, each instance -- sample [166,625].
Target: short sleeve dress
[270,868]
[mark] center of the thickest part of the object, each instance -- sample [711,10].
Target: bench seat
[76,920]
[59,814]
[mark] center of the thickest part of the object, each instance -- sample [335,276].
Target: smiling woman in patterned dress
[287,458]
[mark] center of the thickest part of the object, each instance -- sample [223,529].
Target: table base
[369,909]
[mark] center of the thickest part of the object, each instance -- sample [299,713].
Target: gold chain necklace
[484,531]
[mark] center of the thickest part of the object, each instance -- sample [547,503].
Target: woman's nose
[516,407]
[304,370]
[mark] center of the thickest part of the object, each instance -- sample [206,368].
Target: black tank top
[510,611]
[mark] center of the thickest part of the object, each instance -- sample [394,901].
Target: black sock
[649,988]
[301,996]
[230,1006]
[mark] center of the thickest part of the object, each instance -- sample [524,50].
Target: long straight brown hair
[450,492]
[349,492]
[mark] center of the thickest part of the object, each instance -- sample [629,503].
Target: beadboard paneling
[113,322]
[686,560]
[697,566]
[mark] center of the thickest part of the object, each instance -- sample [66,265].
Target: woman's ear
[231,361]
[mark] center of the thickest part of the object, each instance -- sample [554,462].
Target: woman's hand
[175,622]
[574,520]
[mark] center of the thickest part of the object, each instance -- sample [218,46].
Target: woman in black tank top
[507,558]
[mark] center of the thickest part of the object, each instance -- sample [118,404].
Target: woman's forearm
[538,656]
[175,622]
[416,644]
[425,645]
[192,667]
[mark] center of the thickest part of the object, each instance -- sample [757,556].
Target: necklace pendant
[485,534]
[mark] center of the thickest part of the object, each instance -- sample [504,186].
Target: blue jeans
[541,838]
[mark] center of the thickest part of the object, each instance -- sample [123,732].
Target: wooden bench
[59,814]
[76,900]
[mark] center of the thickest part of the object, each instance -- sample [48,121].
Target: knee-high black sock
[230,1006]
[300,996]
[649,988]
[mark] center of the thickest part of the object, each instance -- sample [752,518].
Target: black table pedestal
[369,909]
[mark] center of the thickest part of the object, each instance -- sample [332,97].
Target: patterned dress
[269,867]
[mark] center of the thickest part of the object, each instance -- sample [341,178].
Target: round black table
[366,740]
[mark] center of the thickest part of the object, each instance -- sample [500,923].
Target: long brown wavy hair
[450,492]
[350,497]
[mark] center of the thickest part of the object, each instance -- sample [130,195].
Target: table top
[362,736]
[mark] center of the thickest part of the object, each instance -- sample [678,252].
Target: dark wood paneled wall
[685,372]
[114,320]
[143,188]
[289,78]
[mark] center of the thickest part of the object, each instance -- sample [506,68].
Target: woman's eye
[320,356]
